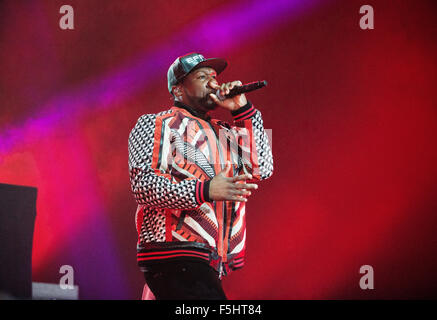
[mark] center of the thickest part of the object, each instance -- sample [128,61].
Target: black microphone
[242,89]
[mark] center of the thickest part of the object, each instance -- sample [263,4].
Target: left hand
[233,103]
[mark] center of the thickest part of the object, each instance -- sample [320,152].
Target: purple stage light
[217,32]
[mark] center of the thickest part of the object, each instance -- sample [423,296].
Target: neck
[201,113]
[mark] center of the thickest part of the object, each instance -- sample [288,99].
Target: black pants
[184,280]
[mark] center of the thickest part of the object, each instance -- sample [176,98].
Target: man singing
[191,176]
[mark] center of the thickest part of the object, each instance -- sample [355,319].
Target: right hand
[223,188]
[233,103]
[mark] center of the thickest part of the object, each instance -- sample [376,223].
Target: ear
[177,90]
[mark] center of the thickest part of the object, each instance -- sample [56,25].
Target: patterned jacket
[173,155]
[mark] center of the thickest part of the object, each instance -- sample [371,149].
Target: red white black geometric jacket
[173,155]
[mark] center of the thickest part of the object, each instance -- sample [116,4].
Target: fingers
[239,199]
[213,84]
[251,186]
[225,88]
[238,195]
[243,192]
[231,188]
[215,99]
[235,84]
[242,177]
[227,168]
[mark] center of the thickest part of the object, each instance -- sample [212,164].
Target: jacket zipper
[227,224]
[224,254]
[225,209]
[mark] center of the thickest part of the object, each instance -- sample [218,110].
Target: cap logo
[194,59]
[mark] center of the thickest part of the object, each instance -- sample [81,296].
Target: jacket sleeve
[150,159]
[256,154]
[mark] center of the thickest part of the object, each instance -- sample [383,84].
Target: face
[197,86]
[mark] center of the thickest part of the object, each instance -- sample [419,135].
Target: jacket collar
[192,111]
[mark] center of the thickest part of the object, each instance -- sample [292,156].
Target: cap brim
[216,63]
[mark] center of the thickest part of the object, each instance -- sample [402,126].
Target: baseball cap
[185,64]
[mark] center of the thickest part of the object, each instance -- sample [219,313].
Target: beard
[207,103]
[204,103]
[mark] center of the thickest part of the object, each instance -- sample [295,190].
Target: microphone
[242,89]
